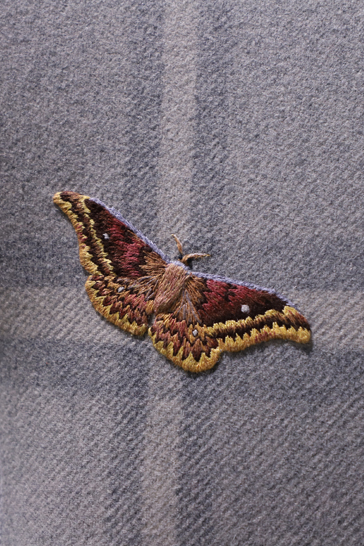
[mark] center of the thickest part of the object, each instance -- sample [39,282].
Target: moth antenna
[189,257]
[179,244]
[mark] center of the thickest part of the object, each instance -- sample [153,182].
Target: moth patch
[191,317]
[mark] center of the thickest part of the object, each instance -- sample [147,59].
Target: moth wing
[124,266]
[217,314]
[108,244]
[126,303]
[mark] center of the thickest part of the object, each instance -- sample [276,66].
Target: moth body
[170,287]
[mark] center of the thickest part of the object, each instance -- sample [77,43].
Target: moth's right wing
[125,268]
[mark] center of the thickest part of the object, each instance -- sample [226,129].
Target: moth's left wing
[124,266]
[216,314]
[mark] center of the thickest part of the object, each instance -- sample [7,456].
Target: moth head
[186,259]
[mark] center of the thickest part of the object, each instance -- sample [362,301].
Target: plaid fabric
[238,126]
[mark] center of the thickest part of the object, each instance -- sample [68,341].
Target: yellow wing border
[255,334]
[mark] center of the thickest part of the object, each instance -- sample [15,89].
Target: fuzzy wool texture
[239,127]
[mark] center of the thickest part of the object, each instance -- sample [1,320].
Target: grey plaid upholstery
[239,127]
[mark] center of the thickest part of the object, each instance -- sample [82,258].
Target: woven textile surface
[239,127]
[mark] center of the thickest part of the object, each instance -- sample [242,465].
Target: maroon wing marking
[125,269]
[223,301]
[108,244]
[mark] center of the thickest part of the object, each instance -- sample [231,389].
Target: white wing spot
[120,289]
[106,236]
[245,308]
[195,332]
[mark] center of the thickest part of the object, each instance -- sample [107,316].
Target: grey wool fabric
[239,126]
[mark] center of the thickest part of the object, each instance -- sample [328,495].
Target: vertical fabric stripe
[210,195]
[143,86]
[142,107]
[164,412]
[178,117]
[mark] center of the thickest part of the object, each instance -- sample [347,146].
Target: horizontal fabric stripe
[298,259]
[63,314]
